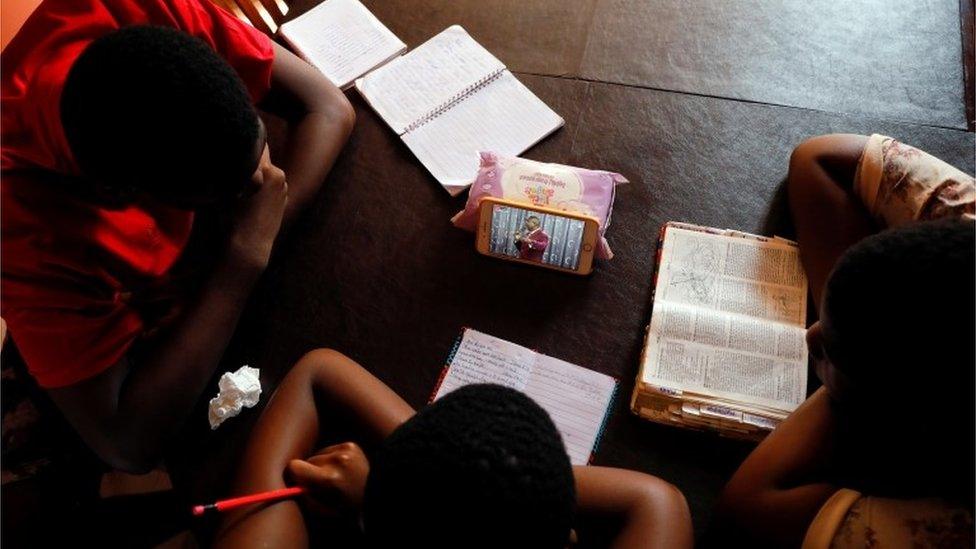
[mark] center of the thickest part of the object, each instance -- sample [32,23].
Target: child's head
[532,223]
[481,467]
[897,318]
[151,110]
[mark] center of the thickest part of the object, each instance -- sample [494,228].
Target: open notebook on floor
[450,98]
[578,400]
[342,39]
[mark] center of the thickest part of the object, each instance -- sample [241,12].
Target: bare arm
[776,492]
[828,215]
[320,120]
[647,511]
[323,384]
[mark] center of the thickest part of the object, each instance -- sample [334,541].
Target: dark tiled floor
[546,37]
[893,59]
[376,270]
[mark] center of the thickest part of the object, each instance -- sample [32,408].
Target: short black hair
[483,466]
[898,310]
[158,109]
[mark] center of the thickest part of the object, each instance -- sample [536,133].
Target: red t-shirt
[70,268]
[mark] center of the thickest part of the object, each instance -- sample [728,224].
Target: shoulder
[851,519]
[48,230]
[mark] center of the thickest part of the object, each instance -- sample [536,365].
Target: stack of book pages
[725,349]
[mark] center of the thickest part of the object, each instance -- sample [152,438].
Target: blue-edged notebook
[578,400]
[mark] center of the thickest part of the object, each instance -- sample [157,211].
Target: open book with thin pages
[726,347]
[448,99]
[577,399]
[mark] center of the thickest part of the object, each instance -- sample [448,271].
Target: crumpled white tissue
[238,390]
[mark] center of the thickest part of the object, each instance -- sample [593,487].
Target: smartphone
[537,235]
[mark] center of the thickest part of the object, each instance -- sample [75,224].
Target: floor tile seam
[961,129]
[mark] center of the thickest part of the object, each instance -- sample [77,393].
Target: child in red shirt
[120,119]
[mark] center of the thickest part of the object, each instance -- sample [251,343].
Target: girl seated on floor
[482,467]
[883,452]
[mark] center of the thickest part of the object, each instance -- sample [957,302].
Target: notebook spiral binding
[454,100]
[447,365]
[603,424]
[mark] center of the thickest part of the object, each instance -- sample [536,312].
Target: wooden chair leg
[258,16]
[232,7]
[277,8]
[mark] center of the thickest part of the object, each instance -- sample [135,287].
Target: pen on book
[260,497]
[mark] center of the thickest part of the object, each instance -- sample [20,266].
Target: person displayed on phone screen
[531,241]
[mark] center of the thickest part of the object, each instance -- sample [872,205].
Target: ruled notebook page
[342,39]
[576,399]
[407,88]
[481,358]
[503,116]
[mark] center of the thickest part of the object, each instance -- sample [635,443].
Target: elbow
[648,494]
[667,499]
[662,504]
[802,161]
[836,155]
[327,365]
[339,112]
[801,186]
[345,116]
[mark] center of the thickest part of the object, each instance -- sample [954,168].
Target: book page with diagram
[729,319]
[577,399]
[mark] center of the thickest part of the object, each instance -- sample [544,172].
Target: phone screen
[544,238]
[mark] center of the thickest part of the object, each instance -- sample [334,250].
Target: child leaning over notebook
[481,467]
[882,454]
[127,125]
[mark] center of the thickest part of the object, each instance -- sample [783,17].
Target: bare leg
[829,217]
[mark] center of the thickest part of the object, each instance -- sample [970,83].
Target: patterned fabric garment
[849,520]
[899,184]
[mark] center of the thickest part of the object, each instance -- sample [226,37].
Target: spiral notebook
[578,400]
[450,98]
[342,39]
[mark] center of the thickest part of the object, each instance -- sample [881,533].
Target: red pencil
[234,503]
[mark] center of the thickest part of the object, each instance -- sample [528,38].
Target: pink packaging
[579,190]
